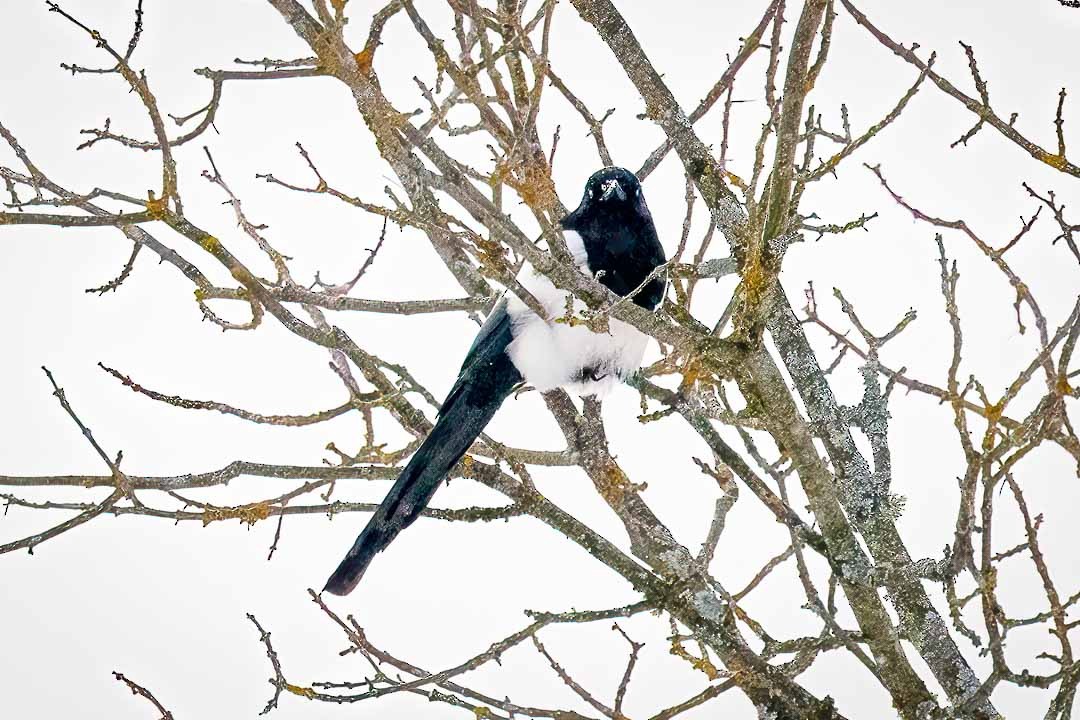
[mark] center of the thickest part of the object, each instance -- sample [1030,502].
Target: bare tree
[749,373]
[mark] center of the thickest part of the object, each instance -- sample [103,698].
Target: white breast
[550,355]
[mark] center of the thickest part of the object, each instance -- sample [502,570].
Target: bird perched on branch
[611,237]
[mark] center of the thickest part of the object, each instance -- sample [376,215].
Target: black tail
[486,378]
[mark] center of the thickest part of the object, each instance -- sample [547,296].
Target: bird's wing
[494,336]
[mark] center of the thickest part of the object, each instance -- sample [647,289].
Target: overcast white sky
[166,604]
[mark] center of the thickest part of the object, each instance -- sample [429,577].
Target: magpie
[611,237]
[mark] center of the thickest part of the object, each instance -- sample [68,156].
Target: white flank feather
[550,355]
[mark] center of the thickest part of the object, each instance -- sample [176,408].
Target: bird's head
[613,195]
[615,229]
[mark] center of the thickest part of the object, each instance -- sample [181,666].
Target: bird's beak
[613,189]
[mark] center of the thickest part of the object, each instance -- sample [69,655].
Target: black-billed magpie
[611,237]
